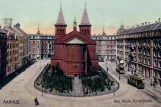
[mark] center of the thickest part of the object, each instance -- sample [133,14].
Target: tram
[136,80]
[120,68]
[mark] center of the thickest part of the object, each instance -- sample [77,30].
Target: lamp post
[114,90]
[106,65]
[119,65]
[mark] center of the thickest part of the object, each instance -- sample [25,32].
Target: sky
[109,14]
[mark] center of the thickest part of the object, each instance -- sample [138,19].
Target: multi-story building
[40,45]
[143,43]
[12,51]
[105,45]
[47,48]
[3,53]
[23,44]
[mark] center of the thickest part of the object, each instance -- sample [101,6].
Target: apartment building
[143,43]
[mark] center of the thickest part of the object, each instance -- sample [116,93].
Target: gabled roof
[60,20]
[85,19]
[72,35]
[10,30]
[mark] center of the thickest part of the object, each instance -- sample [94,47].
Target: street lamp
[106,65]
[119,59]
[114,90]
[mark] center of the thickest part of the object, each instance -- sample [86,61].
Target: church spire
[75,24]
[60,20]
[103,33]
[85,19]
[38,30]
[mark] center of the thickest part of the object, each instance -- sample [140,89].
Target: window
[155,63]
[159,54]
[154,52]
[160,64]
[144,61]
[148,61]
[75,67]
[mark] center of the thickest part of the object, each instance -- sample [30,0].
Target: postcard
[80,53]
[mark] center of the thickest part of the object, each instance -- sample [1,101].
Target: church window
[75,67]
[88,31]
[85,31]
[58,31]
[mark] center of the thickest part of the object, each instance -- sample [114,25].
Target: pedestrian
[36,101]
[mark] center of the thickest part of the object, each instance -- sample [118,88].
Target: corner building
[145,40]
[75,51]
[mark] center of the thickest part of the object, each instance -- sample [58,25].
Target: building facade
[143,43]
[47,48]
[3,53]
[40,45]
[105,46]
[12,51]
[75,52]
[23,44]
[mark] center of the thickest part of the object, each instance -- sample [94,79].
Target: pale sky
[108,13]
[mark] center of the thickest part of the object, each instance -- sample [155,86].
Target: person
[36,101]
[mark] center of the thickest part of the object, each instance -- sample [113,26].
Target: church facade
[75,51]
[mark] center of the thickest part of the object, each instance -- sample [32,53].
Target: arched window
[58,31]
[62,30]
[85,31]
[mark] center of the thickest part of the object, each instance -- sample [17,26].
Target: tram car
[120,68]
[136,80]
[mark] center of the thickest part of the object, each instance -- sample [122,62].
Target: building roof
[75,34]
[142,28]
[85,19]
[103,35]
[2,31]
[121,29]
[19,30]
[10,30]
[60,20]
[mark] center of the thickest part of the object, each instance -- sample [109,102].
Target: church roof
[60,20]
[72,35]
[85,19]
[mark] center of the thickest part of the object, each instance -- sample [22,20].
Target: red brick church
[75,51]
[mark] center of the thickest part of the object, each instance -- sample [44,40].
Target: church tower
[85,26]
[60,26]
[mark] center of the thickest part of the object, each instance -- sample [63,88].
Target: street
[21,93]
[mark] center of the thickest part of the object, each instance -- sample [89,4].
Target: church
[75,52]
